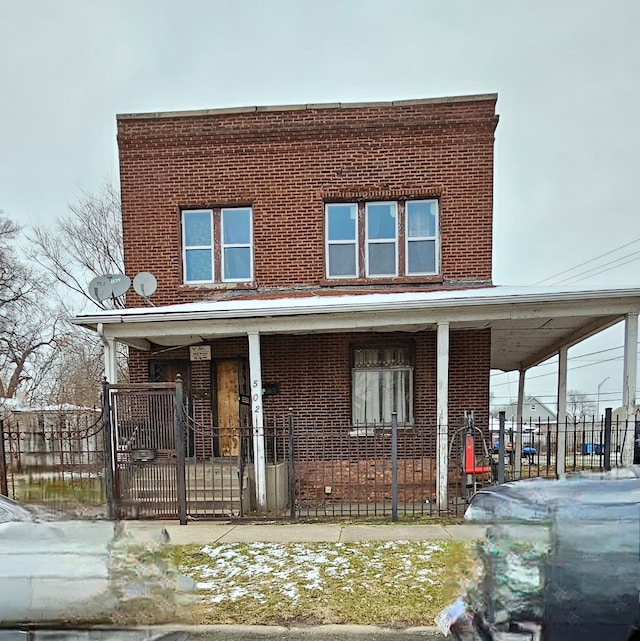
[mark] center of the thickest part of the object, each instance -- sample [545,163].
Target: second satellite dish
[119,284]
[145,284]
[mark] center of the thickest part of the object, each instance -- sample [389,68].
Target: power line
[547,364]
[586,262]
[603,271]
[604,360]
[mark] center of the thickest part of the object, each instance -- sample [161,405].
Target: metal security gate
[145,422]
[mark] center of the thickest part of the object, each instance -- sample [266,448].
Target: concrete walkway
[203,532]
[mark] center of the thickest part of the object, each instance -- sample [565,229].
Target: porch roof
[528,324]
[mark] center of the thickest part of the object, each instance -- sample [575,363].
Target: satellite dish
[119,283]
[100,288]
[145,284]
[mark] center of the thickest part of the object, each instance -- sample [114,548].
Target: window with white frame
[382,239]
[382,384]
[197,245]
[342,240]
[217,245]
[236,244]
[421,225]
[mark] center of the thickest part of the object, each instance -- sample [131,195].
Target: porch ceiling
[528,325]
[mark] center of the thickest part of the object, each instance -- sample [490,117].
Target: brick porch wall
[314,374]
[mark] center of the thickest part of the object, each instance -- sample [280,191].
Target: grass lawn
[396,583]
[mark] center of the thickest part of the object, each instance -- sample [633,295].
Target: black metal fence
[55,460]
[313,470]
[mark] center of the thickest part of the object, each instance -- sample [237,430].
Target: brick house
[332,261]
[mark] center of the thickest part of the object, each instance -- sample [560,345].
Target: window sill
[394,280]
[371,430]
[215,286]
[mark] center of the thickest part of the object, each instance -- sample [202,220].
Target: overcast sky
[567,74]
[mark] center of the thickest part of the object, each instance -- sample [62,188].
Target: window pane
[199,265]
[421,219]
[237,263]
[381,221]
[382,259]
[236,226]
[341,221]
[197,228]
[422,256]
[379,393]
[342,260]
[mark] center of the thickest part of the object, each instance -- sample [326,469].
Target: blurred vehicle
[62,571]
[560,561]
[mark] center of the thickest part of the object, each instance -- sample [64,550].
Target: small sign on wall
[200,352]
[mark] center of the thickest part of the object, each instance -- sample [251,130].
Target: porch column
[629,383]
[442,404]
[517,461]
[110,357]
[561,445]
[259,461]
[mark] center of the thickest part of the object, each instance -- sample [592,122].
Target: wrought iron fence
[54,460]
[313,470]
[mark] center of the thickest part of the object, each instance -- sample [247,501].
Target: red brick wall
[287,164]
[314,374]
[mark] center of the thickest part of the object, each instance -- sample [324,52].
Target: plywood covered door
[228,406]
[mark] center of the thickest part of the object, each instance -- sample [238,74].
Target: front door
[231,403]
[166,372]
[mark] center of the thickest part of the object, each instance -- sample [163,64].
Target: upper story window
[217,245]
[382,239]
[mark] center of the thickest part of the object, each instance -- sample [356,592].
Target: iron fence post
[607,439]
[4,485]
[501,418]
[292,470]
[107,438]
[181,486]
[394,467]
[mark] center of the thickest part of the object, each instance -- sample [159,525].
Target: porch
[456,337]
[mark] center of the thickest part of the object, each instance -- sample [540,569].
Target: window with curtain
[382,384]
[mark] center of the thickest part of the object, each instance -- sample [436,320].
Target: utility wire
[586,262]
[602,271]
[570,369]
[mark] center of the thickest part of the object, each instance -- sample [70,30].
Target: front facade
[332,263]
[309,201]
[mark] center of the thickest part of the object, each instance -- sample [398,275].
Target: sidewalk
[206,532]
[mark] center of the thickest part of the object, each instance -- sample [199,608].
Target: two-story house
[328,261]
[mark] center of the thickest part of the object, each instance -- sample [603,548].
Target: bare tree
[28,327]
[579,407]
[84,244]
[29,336]
[16,280]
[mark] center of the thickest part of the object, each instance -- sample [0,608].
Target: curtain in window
[379,392]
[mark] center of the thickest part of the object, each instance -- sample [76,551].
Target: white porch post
[629,383]
[259,461]
[561,445]
[442,403]
[110,356]
[517,461]
[111,361]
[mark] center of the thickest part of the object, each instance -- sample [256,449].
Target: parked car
[60,571]
[560,561]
